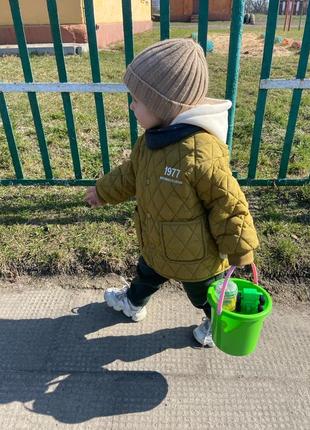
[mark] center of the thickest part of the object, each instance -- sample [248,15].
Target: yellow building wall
[35,12]
[71,11]
[107,11]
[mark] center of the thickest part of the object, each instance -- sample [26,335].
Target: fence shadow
[45,220]
[57,365]
[50,209]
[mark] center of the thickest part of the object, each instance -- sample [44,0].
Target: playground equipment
[210,44]
[249,18]
[293,7]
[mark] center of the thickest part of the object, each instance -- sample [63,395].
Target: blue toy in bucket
[237,332]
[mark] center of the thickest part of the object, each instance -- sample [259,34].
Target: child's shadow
[57,365]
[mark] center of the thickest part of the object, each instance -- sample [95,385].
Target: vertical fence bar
[10,138]
[22,46]
[286,13]
[95,68]
[292,120]
[203,23]
[62,74]
[236,29]
[262,93]
[300,15]
[164,19]
[129,54]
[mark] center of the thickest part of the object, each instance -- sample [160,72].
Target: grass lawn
[49,230]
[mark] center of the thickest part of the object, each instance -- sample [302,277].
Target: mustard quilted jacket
[190,212]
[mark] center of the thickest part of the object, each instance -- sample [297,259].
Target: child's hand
[92,198]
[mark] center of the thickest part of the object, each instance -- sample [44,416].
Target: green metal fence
[98,89]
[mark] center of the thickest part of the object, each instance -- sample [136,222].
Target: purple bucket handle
[225,283]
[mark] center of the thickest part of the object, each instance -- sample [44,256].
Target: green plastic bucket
[236,333]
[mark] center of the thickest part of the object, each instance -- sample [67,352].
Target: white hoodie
[212,117]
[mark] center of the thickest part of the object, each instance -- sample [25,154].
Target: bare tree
[256,6]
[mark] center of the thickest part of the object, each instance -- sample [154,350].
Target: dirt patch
[289,294]
[252,45]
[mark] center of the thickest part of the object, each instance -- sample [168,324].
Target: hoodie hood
[158,138]
[211,116]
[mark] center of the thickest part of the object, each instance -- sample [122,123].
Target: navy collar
[157,138]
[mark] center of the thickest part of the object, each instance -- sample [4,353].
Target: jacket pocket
[137,222]
[185,240]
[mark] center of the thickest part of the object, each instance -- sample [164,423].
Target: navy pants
[147,282]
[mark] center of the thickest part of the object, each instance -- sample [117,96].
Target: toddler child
[192,219]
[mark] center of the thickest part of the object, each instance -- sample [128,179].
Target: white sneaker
[117,299]
[203,334]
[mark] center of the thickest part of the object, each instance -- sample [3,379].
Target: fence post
[95,68]
[10,138]
[297,93]
[236,29]
[62,75]
[129,54]
[164,19]
[22,46]
[262,93]
[203,23]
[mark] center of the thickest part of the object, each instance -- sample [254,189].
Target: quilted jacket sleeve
[230,221]
[120,184]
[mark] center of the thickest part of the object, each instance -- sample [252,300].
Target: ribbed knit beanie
[169,77]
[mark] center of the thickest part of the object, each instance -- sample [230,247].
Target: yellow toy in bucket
[238,332]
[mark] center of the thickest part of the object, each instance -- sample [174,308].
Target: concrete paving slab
[45,49]
[69,361]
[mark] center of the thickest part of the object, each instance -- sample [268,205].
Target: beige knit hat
[169,77]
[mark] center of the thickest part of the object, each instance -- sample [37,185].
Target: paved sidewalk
[68,361]
[45,49]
